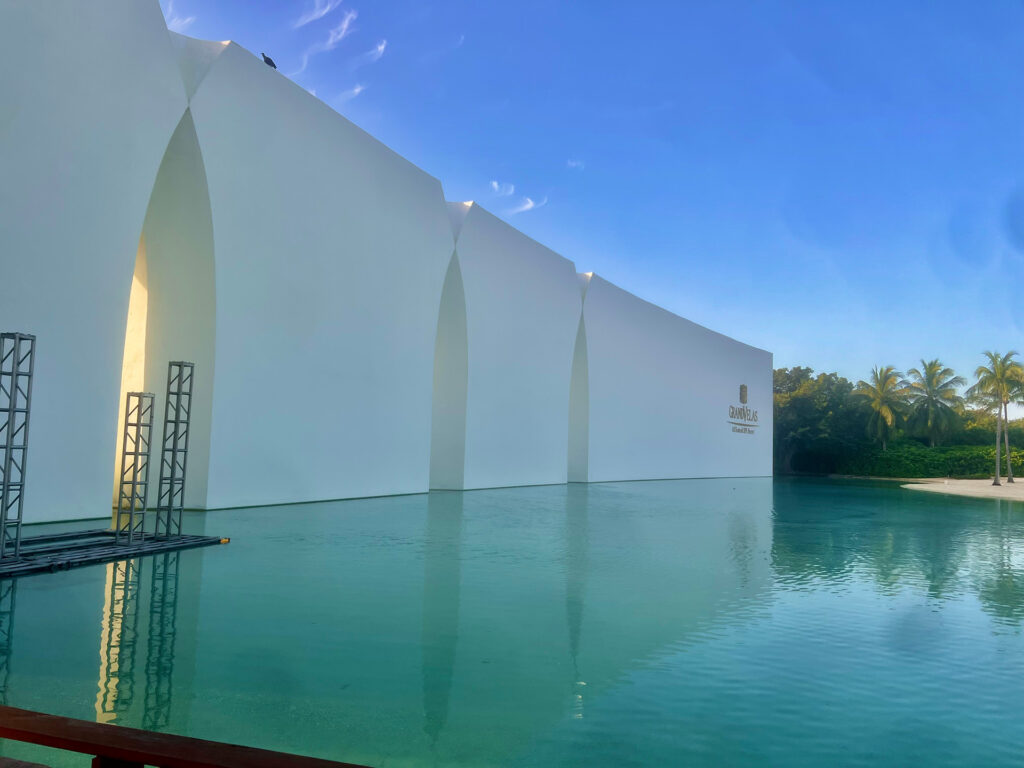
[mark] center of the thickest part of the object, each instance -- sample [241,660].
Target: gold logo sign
[742,418]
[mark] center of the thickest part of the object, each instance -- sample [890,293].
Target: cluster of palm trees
[928,399]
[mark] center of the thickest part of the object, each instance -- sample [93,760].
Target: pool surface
[699,623]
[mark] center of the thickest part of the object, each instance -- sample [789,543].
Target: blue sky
[839,182]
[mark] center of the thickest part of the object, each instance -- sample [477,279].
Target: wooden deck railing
[116,747]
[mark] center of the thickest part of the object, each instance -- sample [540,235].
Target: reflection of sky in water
[719,622]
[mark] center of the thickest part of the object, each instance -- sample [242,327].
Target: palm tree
[887,397]
[933,398]
[1016,395]
[998,383]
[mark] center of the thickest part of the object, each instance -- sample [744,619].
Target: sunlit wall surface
[665,397]
[91,96]
[522,306]
[331,252]
[353,335]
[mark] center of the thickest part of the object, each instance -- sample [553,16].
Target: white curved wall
[301,264]
[89,98]
[331,251]
[659,394]
[180,283]
[522,309]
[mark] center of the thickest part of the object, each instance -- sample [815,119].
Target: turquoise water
[703,622]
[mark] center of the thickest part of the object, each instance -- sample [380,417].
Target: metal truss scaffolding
[17,363]
[174,449]
[163,631]
[134,486]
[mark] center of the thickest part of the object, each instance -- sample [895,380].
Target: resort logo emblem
[742,418]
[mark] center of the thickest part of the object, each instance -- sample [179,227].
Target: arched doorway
[171,313]
[579,409]
[451,375]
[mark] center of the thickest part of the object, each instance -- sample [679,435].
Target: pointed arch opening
[171,311]
[579,409]
[451,378]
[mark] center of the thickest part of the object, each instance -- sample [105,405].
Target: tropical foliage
[925,424]
[887,398]
[998,384]
[934,400]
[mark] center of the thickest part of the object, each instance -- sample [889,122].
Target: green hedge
[911,459]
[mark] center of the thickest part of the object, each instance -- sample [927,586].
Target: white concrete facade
[330,252]
[91,98]
[521,307]
[354,335]
[656,396]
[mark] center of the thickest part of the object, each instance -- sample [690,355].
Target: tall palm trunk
[999,423]
[1006,438]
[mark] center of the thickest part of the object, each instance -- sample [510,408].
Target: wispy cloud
[341,31]
[177,23]
[504,190]
[528,204]
[320,9]
[377,51]
[334,37]
[351,93]
[575,164]
[369,57]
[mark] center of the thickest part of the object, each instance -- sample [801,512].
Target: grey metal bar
[49,560]
[174,448]
[134,486]
[17,370]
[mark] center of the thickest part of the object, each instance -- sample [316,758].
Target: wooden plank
[130,745]
[6,762]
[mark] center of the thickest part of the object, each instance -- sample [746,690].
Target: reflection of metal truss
[134,484]
[174,449]
[163,614]
[8,590]
[117,686]
[17,363]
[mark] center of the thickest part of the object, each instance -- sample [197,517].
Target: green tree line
[927,422]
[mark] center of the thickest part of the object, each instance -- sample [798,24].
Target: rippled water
[702,622]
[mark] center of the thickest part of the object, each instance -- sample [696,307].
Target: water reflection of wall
[568,606]
[441,575]
[144,646]
[147,651]
[119,640]
[576,544]
[443,628]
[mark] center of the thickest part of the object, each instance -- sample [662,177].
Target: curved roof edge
[592,276]
[195,57]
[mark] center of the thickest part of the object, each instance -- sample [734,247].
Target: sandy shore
[982,489]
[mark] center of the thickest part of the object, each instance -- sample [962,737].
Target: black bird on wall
[268,61]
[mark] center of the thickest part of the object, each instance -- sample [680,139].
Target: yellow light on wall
[133,361]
